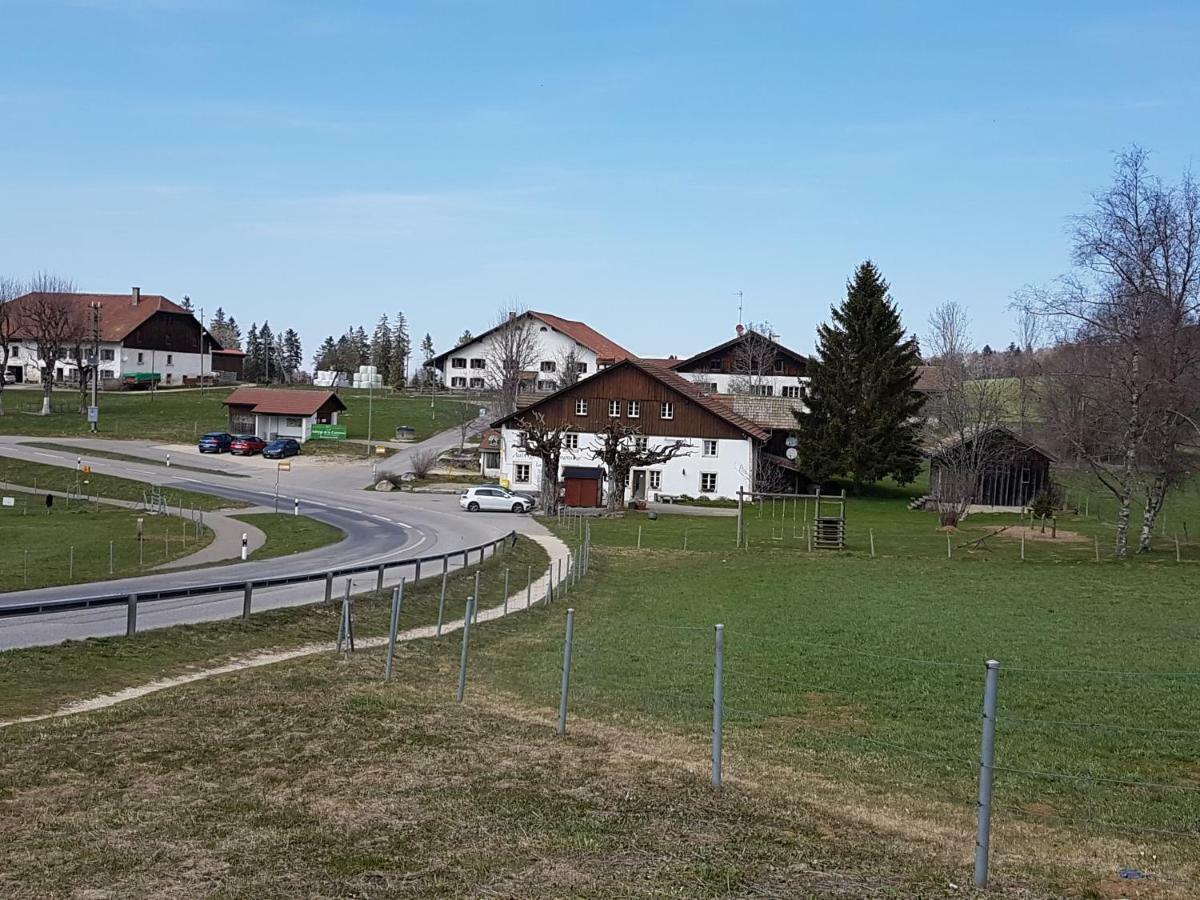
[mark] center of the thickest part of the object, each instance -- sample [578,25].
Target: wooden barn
[1017,470]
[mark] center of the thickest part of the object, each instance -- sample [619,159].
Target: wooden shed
[1017,470]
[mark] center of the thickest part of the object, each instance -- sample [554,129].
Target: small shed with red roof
[281,413]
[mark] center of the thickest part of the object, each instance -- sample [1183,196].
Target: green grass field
[48,477]
[182,416]
[70,545]
[288,534]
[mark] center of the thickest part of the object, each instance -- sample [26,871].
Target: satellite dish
[792,441]
[792,453]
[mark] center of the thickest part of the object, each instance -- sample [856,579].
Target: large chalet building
[470,366]
[134,333]
[734,404]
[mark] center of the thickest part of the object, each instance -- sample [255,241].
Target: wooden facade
[627,382]
[722,359]
[1021,472]
[170,332]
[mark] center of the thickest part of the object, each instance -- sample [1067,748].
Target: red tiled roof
[118,315]
[586,335]
[282,402]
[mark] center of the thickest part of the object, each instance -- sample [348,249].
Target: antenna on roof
[738,294]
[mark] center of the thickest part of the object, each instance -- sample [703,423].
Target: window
[581,368]
[710,448]
[521,473]
[639,444]
[762,390]
[711,387]
[106,373]
[714,365]
[458,382]
[791,391]
[170,359]
[477,383]
[548,365]
[635,409]
[779,365]
[708,482]
[106,355]
[614,408]
[655,480]
[571,441]
[141,358]
[667,411]
[581,407]
[546,386]
[458,363]
[479,364]
[168,378]
[294,422]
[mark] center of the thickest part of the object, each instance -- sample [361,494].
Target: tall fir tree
[325,357]
[362,344]
[862,411]
[268,364]
[251,365]
[293,354]
[381,349]
[231,338]
[401,350]
[427,353]
[465,338]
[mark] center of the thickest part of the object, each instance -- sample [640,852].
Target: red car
[246,445]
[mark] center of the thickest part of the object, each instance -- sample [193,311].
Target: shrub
[422,463]
[1044,504]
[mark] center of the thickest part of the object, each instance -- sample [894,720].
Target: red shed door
[583,492]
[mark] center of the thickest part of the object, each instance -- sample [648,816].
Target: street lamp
[370,412]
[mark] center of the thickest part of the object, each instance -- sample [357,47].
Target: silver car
[495,498]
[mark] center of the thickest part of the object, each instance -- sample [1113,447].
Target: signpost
[279,467]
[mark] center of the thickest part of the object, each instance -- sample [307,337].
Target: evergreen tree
[251,369]
[861,419]
[268,365]
[187,303]
[465,338]
[324,358]
[232,338]
[358,337]
[293,354]
[381,348]
[427,355]
[401,350]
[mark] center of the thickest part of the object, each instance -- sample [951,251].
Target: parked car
[247,445]
[494,497]
[216,442]
[281,448]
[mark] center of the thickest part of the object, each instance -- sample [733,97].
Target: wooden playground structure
[826,530]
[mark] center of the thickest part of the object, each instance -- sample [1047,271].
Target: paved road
[379,528]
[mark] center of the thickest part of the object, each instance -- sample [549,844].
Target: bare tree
[10,289]
[622,449]
[545,443]
[1132,304]
[1030,330]
[568,368]
[55,325]
[465,416]
[422,463]
[512,350]
[963,418]
[753,360]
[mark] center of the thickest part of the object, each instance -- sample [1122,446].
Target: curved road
[379,528]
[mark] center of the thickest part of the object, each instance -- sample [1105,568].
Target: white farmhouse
[470,366]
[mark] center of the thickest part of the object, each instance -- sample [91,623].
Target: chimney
[137,296]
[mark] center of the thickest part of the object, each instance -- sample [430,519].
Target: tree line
[388,349]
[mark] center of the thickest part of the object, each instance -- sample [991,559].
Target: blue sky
[629,164]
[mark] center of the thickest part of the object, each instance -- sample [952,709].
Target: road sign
[87,470]
[285,467]
[93,414]
[10,501]
[381,451]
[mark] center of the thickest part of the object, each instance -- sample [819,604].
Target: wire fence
[915,725]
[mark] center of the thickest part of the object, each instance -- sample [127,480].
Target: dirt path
[516,603]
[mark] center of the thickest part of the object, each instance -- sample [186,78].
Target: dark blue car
[281,448]
[216,442]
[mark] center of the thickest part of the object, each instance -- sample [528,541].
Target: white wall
[553,346]
[733,466]
[123,362]
[723,381]
[267,427]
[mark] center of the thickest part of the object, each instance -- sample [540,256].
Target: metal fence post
[560,580]
[110,557]
[131,616]
[718,704]
[1022,547]
[71,564]
[466,638]
[550,584]
[328,588]
[871,532]
[529,587]
[506,592]
[566,672]
[417,570]
[639,543]
[476,596]
[987,758]
[379,578]
[1096,541]
[949,552]
[445,563]
[442,602]
[247,593]
[397,600]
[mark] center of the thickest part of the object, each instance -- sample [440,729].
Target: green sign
[329,432]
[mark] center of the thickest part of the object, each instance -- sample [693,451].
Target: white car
[493,497]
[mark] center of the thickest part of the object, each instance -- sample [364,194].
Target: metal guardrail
[39,607]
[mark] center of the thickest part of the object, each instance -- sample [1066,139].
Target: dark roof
[579,332]
[671,379]
[583,472]
[945,444]
[281,402]
[930,380]
[118,314]
[737,339]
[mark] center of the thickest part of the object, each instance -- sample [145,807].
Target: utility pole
[738,294]
[95,365]
[185,297]
[370,412]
